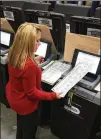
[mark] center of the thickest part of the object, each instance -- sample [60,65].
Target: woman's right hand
[58,95]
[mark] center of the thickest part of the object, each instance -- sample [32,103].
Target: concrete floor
[8,126]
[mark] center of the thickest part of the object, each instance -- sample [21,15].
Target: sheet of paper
[74,76]
[98,87]
[41,51]
[46,66]
[54,72]
[86,57]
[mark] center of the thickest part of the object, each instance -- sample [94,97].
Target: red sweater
[23,89]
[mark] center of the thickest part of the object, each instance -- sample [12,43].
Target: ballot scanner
[14,15]
[90,26]
[57,27]
[55,22]
[76,114]
[77,119]
[59,70]
[5,44]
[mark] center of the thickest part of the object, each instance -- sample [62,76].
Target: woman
[23,89]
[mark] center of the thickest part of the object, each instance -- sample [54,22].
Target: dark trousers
[27,125]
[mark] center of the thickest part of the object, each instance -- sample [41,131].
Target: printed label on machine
[72,109]
[67,27]
[93,32]
[9,15]
[45,21]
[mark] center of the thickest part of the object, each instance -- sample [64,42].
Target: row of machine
[77,114]
[67,9]
[81,22]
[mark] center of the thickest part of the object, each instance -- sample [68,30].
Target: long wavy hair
[23,45]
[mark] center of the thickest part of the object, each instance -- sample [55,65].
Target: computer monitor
[44,49]
[14,15]
[6,38]
[84,56]
[56,23]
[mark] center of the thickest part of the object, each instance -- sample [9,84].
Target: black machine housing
[57,29]
[81,25]
[18,15]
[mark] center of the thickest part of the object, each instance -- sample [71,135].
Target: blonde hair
[23,45]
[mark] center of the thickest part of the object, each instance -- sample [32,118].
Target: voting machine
[80,104]
[55,22]
[85,25]
[5,44]
[59,75]
[14,15]
[60,69]
[6,40]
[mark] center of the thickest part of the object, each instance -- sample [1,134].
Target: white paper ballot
[98,87]
[46,66]
[54,72]
[4,38]
[41,51]
[86,57]
[74,76]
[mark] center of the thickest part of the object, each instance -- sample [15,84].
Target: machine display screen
[5,38]
[95,60]
[42,49]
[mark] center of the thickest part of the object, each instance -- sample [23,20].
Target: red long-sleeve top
[23,89]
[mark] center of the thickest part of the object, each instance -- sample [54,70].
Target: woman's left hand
[39,59]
